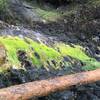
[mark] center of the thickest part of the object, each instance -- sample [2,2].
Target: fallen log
[45,87]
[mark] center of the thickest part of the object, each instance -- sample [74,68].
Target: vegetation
[77,52]
[42,55]
[3,5]
[13,44]
[41,39]
[50,15]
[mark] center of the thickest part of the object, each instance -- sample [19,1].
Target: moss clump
[13,44]
[91,65]
[50,15]
[42,55]
[77,52]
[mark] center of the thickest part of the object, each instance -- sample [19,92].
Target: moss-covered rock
[3,5]
[14,44]
[40,54]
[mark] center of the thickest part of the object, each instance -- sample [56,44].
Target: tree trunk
[45,87]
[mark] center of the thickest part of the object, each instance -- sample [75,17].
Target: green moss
[77,52]
[92,65]
[13,44]
[47,13]
[46,53]
[50,15]
[54,14]
[3,5]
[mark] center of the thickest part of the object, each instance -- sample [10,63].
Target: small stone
[67,58]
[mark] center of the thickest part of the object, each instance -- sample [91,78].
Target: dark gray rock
[23,12]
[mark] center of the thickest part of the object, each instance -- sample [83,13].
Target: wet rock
[54,62]
[3,25]
[82,97]
[68,59]
[37,55]
[96,39]
[23,11]
[82,37]
[32,75]
[89,52]
[18,76]
[81,88]
[1,81]
[92,97]
[97,52]
[97,91]
[22,55]
[66,95]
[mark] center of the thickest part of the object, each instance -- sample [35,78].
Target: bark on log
[45,87]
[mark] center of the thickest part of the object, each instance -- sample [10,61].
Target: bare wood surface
[45,87]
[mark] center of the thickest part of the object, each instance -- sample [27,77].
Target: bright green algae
[46,54]
[13,44]
[78,52]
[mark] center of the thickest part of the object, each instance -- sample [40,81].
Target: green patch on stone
[78,52]
[13,44]
[46,53]
[92,65]
[42,55]
[75,51]
[50,15]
